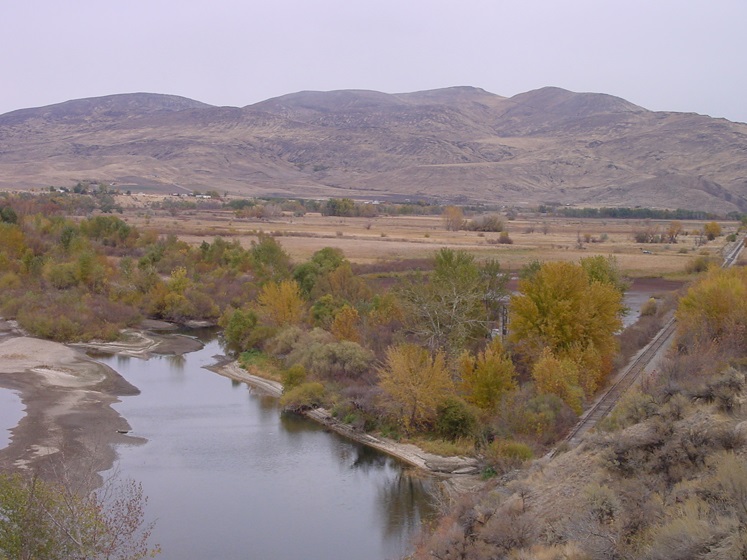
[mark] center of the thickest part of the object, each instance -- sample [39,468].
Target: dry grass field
[386,238]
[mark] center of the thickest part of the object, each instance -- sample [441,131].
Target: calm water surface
[11,412]
[229,477]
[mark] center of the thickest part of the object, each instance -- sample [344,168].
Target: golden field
[386,238]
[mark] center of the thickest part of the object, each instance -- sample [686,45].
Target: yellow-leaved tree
[416,382]
[280,304]
[561,307]
[453,217]
[558,376]
[345,324]
[712,230]
[487,377]
[714,308]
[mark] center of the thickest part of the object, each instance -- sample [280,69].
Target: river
[11,412]
[228,476]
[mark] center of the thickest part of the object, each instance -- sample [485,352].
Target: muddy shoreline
[69,424]
[69,421]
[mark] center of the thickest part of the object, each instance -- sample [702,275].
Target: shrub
[303,397]
[10,281]
[306,345]
[284,341]
[507,455]
[293,377]
[490,223]
[459,447]
[602,502]
[331,360]
[632,408]
[504,239]
[649,308]
[697,265]
[454,419]
[544,418]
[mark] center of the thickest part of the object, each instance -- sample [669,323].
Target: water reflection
[267,406]
[292,423]
[229,476]
[11,412]
[368,458]
[405,501]
[177,362]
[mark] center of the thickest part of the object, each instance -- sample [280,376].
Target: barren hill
[456,144]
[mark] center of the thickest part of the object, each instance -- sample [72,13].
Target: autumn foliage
[416,382]
[564,319]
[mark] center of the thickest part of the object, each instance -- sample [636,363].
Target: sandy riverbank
[68,415]
[69,421]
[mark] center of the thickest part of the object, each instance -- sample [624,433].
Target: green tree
[342,284]
[604,270]
[8,215]
[239,328]
[339,207]
[454,419]
[269,259]
[449,309]
[321,263]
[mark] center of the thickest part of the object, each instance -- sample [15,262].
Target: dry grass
[369,240]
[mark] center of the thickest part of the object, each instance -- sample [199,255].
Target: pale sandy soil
[68,399]
[69,421]
[367,240]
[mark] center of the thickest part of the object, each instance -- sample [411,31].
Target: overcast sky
[678,55]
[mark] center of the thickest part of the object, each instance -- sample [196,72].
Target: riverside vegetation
[411,358]
[664,477]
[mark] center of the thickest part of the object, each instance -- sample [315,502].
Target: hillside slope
[458,144]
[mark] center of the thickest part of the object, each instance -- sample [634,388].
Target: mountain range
[458,145]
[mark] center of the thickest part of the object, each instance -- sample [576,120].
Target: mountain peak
[564,102]
[116,106]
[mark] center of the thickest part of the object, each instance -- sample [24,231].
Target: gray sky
[675,55]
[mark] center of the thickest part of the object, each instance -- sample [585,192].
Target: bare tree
[58,518]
